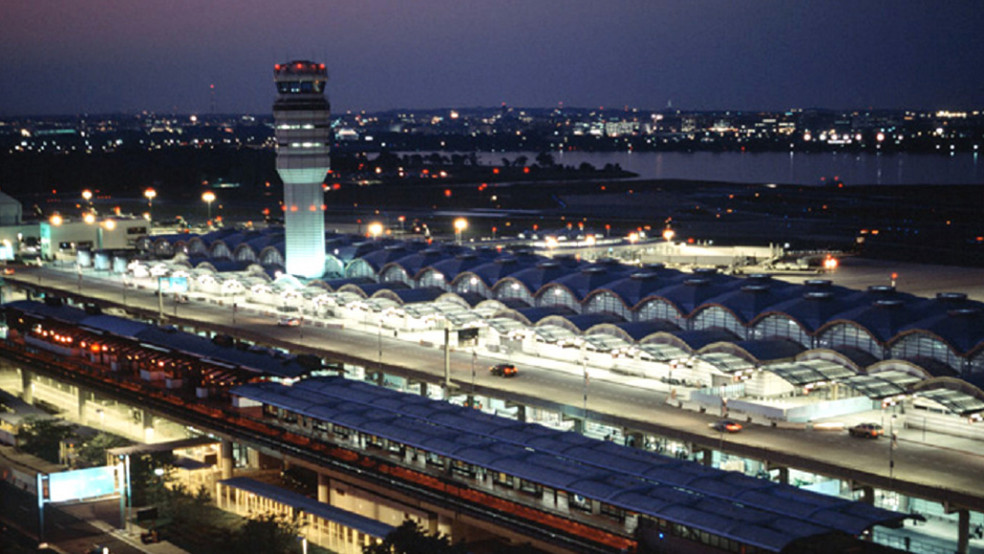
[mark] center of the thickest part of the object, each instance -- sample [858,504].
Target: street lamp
[375,229]
[150,194]
[209,197]
[584,368]
[87,196]
[460,225]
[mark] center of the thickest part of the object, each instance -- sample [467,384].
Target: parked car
[728,425]
[504,370]
[289,321]
[866,431]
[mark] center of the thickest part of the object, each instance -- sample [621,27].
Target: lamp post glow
[460,225]
[375,229]
[87,196]
[208,197]
[150,194]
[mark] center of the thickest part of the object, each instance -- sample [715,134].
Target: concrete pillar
[783,475]
[963,530]
[80,394]
[27,386]
[867,494]
[225,459]
[634,439]
[423,389]
[579,425]
[147,419]
[563,503]
[521,413]
[324,489]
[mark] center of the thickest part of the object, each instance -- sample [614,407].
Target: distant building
[302,126]
[10,210]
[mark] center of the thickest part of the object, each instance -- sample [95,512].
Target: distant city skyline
[105,56]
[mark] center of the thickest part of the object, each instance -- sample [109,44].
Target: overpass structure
[793,455]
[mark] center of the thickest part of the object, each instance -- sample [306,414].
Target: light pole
[447,356]
[474,358]
[160,300]
[208,197]
[460,225]
[375,229]
[892,445]
[150,194]
[87,196]
[584,367]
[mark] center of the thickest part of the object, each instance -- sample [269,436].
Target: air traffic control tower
[301,119]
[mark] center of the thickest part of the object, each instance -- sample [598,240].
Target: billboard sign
[81,484]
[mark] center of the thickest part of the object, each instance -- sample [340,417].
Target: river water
[780,167]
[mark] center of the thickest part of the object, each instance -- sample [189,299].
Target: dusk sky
[98,56]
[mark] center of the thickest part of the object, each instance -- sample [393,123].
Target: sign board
[81,484]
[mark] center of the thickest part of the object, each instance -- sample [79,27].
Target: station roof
[771,515]
[802,373]
[883,384]
[298,501]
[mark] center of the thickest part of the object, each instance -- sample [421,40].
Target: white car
[289,321]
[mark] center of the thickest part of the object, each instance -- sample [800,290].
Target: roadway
[944,469]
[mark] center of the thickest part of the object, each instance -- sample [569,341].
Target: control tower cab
[301,116]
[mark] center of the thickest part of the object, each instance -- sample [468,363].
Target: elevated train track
[435,494]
